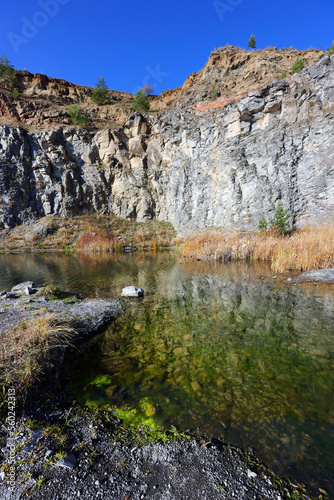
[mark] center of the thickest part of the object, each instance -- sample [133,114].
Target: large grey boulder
[132,291]
[317,276]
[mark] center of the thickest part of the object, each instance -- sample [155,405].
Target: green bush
[279,224]
[100,96]
[77,117]
[141,103]
[282,75]
[263,224]
[298,65]
[330,50]
[100,93]
[213,93]
[7,73]
[252,42]
[16,94]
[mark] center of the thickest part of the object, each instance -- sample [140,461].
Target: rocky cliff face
[45,101]
[235,72]
[225,167]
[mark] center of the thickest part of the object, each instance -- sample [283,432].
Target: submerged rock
[21,287]
[132,291]
[318,275]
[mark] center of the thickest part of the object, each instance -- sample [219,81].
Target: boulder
[27,287]
[316,276]
[132,291]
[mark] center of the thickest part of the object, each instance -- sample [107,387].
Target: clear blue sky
[131,42]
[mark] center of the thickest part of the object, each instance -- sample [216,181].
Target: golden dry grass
[308,248]
[26,348]
[90,233]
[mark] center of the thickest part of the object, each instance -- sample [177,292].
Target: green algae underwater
[223,350]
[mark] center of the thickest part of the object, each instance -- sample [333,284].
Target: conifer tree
[252,42]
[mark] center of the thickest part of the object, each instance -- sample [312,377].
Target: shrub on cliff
[16,94]
[213,93]
[282,75]
[100,93]
[77,116]
[7,73]
[141,103]
[278,224]
[148,88]
[330,50]
[298,65]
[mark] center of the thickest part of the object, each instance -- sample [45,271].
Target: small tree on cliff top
[7,73]
[100,93]
[252,42]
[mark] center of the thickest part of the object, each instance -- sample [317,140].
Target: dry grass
[90,233]
[308,248]
[93,242]
[215,245]
[26,348]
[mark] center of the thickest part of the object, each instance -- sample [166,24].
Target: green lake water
[218,349]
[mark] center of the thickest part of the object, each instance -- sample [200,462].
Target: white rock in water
[21,287]
[132,291]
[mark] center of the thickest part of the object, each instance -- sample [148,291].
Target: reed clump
[95,242]
[26,349]
[141,237]
[307,248]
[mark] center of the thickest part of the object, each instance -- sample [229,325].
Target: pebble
[251,473]
[49,454]
[68,463]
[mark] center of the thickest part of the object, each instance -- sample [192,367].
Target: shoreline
[70,449]
[301,250]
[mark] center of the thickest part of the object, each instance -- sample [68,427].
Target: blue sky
[132,42]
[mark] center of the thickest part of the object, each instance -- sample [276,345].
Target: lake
[223,350]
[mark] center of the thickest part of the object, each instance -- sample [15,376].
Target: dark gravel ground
[79,455]
[64,451]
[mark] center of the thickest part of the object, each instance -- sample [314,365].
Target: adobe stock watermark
[222,7]
[11,427]
[153,76]
[31,27]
